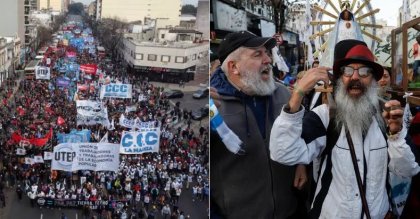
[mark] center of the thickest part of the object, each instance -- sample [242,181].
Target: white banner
[130,108]
[145,141]
[91,113]
[116,91]
[86,156]
[20,151]
[48,155]
[42,73]
[29,160]
[38,159]
[136,123]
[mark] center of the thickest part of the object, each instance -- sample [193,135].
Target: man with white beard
[248,184]
[378,137]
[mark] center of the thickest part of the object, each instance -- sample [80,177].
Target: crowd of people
[148,184]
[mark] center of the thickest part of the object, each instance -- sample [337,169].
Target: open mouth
[266,71]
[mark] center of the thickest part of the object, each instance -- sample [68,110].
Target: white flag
[20,151]
[38,159]
[104,138]
[48,155]
[29,160]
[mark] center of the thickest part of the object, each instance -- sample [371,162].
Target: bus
[30,69]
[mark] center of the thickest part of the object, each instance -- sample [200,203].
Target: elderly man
[356,125]
[247,183]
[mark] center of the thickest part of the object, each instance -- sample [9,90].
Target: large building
[135,10]
[202,22]
[15,20]
[9,56]
[171,58]
[54,5]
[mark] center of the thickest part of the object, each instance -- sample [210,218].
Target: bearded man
[248,184]
[375,134]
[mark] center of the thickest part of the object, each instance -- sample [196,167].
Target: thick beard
[357,112]
[254,85]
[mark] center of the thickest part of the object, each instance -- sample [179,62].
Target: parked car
[199,114]
[173,93]
[201,93]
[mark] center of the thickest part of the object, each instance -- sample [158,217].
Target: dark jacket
[250,185]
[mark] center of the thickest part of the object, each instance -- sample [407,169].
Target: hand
[392,115]
[307,83]
[312,76]
[215,96]
[300,176]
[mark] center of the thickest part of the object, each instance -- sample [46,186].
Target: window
[162,36]
[165,58]
[151,57]
[179,59]
[139,56]
[194,57]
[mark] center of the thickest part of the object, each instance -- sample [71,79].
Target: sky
[388,10]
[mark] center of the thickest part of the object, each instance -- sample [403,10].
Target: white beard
[254,85]
[357,112]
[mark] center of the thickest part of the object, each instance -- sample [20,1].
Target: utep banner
[140,142]
[86,156]
[116,90]
[42,73]
[78,203]
[91,113]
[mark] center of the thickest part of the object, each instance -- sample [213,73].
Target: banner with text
[116,91]
[136,123]
[74,136]
[145,141]
[42,73]
[86,156]
[91,113]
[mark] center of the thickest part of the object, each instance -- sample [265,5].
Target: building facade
[171,59]
[15,20]
[203,19]
[134,10]
[54,5]
[9,56]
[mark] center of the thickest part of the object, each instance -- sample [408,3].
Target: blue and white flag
[232,142]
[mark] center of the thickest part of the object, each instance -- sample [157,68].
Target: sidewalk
[201,80]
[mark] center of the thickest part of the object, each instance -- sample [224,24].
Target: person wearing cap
[248,184]
[376,135]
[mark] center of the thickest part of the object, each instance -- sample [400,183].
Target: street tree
[110,32]
[189,9]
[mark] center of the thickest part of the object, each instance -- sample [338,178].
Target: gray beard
[357,112]
[254,85]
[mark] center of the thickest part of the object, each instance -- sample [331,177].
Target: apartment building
[134,10]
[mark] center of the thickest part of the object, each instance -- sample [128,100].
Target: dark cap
[246,39]
[355,51]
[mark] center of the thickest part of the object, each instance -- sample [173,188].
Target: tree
[110,32]
[44,34]
[76,8]
[57,21]
[189,9]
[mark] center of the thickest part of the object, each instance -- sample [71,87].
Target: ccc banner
[116,91]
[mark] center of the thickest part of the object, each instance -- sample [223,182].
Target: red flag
[60,121]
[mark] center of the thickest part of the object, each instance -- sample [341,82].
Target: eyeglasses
[364,71]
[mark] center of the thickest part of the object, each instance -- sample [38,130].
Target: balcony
[26,2]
